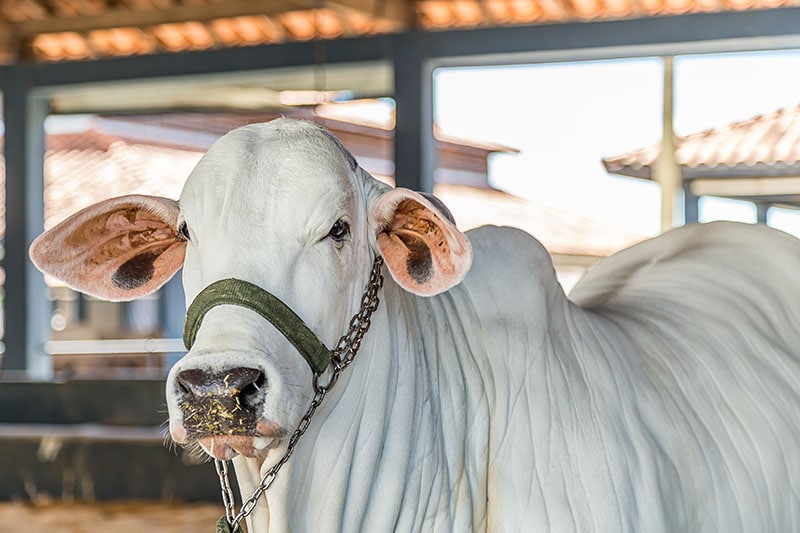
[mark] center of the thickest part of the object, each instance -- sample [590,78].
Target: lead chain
[344,353]
[225,485]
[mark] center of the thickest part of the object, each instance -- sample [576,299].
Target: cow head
[281,205]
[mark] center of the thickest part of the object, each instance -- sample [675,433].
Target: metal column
[25,304]
[414,150]
[691,204]
[761,212]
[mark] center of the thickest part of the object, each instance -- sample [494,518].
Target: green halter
[233,291]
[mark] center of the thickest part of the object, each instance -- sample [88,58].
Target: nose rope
[232,291]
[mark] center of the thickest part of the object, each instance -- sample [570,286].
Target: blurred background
[590,124]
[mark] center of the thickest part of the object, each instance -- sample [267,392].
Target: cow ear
[424,251]
[118,249]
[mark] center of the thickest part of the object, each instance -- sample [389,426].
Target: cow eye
[183,231]
[339,231]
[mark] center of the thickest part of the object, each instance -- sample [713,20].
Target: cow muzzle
[220,410]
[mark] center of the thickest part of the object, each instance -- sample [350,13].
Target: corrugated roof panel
[328,23]
[542,11]
[21,10]
[300,24]
[498,11]
[197,35]
[121,41]
[70,45]
[237,26]
[259,29]
[243,31]
[170,37]
[435,14]
[619,8]
[468,12]
[587,9]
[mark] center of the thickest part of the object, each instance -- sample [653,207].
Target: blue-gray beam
[658,36]
[762,209]
[24,303]
[691,207]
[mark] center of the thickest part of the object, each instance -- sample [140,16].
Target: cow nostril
[253,388]
[193,382]
[242,382]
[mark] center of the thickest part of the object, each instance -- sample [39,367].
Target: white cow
[664,397]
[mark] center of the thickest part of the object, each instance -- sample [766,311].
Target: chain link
[225,485]
[344,353]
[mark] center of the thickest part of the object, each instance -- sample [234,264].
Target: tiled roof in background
[765,145]
[57,30]
[560,232]
[100,161]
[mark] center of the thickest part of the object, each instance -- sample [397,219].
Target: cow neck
[284,319]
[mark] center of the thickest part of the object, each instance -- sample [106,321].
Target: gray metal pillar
[173,310]
[691,207]
[25,304]
[414,148]
[761,212]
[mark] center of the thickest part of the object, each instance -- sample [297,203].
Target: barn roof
[766,144]
[123,155]
[58,30]
[566,236]
[757,159]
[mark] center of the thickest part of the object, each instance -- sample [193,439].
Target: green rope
[224,527]
[245,294]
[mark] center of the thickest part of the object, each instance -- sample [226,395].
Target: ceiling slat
[400,12]
[120,18]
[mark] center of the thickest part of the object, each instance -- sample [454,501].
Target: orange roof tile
[763,145]
[85,167]
[205,24]
[560,232]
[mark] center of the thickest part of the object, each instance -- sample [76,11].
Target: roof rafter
[8,43]
[395,10]
[400,12]
[122,18]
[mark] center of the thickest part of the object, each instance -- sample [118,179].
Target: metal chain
[225,485]
[344,353]
[349,343]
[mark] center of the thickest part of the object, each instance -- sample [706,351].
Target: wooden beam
[9,44]
[557,9]
[399,11]
[124,18]
[746,187]
[666,170]
[773,29]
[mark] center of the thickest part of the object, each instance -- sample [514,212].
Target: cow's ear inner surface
[118,249]
[423,250]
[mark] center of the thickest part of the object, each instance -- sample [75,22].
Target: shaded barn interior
[260,57]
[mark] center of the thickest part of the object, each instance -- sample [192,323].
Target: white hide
[669,404]
[666,398]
